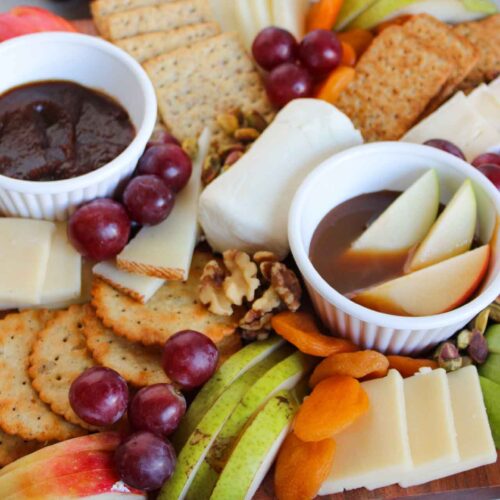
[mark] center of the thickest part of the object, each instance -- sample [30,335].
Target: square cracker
[150,45]
[395,80]
[194,85]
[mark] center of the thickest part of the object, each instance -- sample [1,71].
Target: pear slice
[290,15]
[491,395]
[350,11]
[256,450]
[492,336]
[407,219]
[452,233]
[283,376]
[235,366]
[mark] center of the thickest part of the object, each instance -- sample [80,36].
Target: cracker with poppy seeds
[14,447]
[59,355]
[22,412]
[174,307]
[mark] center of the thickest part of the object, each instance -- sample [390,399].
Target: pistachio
[228,122]
[232,158]
[190,146]
[495,311]
[463,339]
[478,347]
[466,361]
[211,168]
[227,149]
[446,351]
[481,320]
[450,365]
[246,134]
[256,120]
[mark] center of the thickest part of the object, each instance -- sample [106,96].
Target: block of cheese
[165,250]
[431,428]
[494,87]
[374,451]
[291,15]
[247,28]
[488,105]
[137,286]
[460,122]
[247,207]
[24,254]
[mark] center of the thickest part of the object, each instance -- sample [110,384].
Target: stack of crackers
[410,70]
[198,73]
[42,352]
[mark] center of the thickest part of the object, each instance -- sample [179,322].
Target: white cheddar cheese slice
[24,254]
[262,14]
[494,87]
[165,251]
[137,286]
[225,14]
[247,28]
[374,451]
[488,105]
[459,122]
[291,15]
[431,428]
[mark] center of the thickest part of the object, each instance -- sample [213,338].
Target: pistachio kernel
[495,311]
[246,134]
[211,168]
[256,120]
[446,351]
[466,361]
[450,365]
[463,339]
[478,347]
[228,122]
[190,146]
[481,320]
[227,149]
[232,158]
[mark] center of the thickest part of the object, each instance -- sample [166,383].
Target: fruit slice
[350,10]
[433,290]
[492,336]
[491,395]
[406,221]
[491,368]
[235,366]
[452,233]
[290,15]
[256,450]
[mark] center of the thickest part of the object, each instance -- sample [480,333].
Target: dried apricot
[358,39]
[353,364]
[348,55]
[335,84]
[323,14]
[302,467]
[334,404]
[395,21]
[300,329]
[409,366]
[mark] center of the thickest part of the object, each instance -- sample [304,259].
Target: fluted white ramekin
[94,63]
[370,168]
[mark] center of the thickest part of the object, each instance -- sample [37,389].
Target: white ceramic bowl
[94,63]
[370,168]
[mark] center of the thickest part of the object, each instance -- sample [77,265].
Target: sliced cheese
[165,251]
[494,87]
[24,254]
[247,28]
[291,15]
[431,428]
[460,122]
[262,14]
[374,451]
[225,14]
[140,288]
[488,105]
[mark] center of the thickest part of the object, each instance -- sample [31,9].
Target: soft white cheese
[247,207]
[488,105]
[494,87]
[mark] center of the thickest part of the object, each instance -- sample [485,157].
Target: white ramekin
[374,167]
[94,63]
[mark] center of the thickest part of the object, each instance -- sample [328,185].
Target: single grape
[169,162]
[446,146]
[158,409]
[274,46]
[492,172]
[320,51]
[189,358]
[162,137]
[100,229]
[145,461]
[487,158]
[99,396]
[287,82]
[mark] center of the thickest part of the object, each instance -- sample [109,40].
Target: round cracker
[22,412]
[58,356]
[14,447]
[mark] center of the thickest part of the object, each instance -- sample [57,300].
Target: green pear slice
[452,233]
[350,11]
[492,336]
[235,366]
[491,395]
[378,12]
[282,376]
[256,449]
[406,221]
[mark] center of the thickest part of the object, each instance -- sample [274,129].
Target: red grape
[158,409]
[148,200]
[145,461]
[99,396]
[287,82]
[487,158]
[320,51]
[189,358]
[274,46]
[162,137]
[492,172]
[445,146]
[169,162]
[100,229]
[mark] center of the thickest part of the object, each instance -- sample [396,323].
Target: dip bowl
[375,167]
[93,63]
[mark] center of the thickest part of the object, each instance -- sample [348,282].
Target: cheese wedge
[165,251]
[374,451]
[291,15]
[488,105]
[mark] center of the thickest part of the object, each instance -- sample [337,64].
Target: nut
[210,290]
[466,361]
[450,365]
[287,286]
[264,256]
[246,134]
[190,146]
[269,301]
[228,122]
[256,320]
[211,168]
[242,281]
[463,339]
[232,158]
[481,321]
[478,347]
[255,120]
[495,311]
[226,149]
[254,335]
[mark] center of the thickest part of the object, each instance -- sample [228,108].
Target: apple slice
[350,11]
[452,233]
[406,221]
[433,290]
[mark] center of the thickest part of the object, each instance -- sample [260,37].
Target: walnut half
[242,281]
[211,291]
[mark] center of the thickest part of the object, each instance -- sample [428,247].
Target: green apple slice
[406,221]
[235,366]
[350,11]
[256,450]
[491,395]
[452,233]
[492,336]
[491,368]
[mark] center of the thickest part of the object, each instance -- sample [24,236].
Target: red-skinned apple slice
[433,290]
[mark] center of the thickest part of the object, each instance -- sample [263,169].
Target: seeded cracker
[194,85]
[14,447]
[174,307]
[21,410]
[395,80]
[58,356]
[149,45]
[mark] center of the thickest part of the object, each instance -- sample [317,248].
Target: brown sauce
[58,130]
